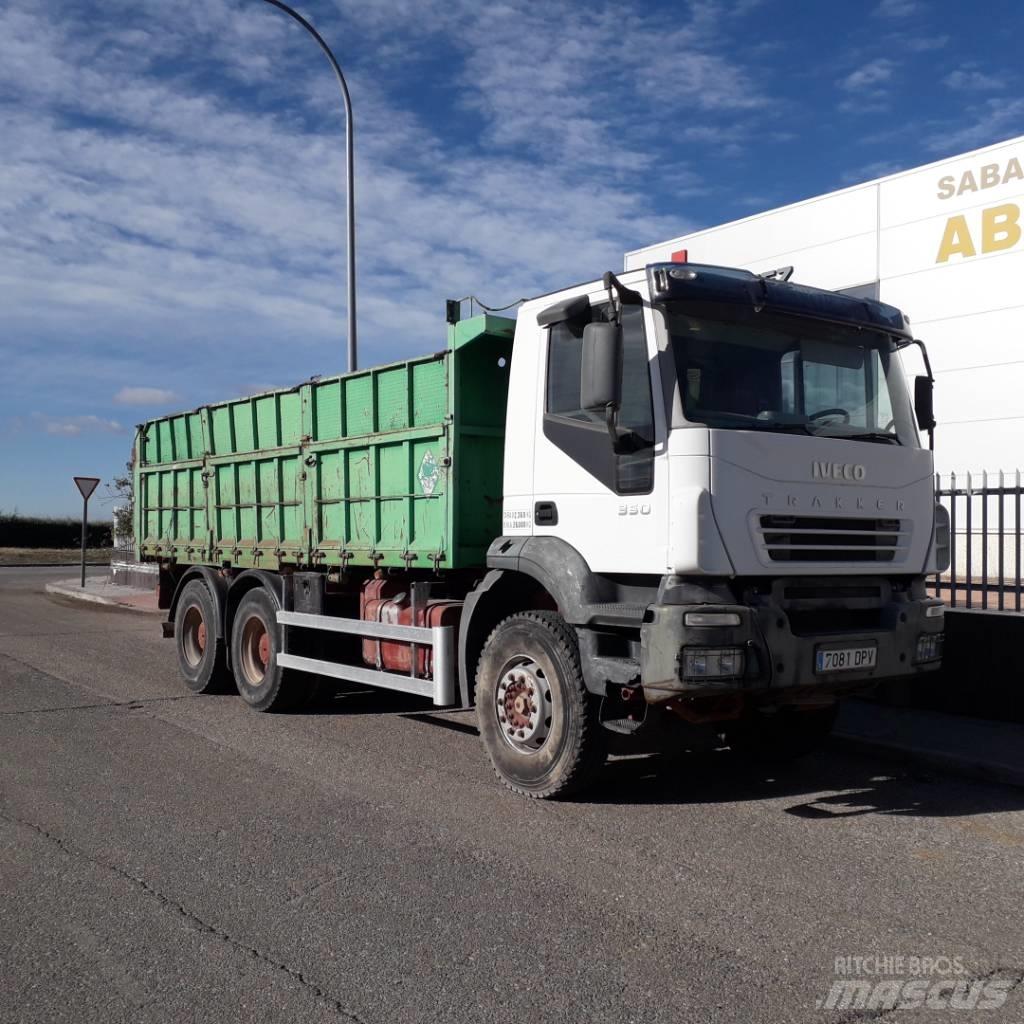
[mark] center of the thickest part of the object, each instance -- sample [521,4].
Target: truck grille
[830,539]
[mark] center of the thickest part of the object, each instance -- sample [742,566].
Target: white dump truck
[686,505]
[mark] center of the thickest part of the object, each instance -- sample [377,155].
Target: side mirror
[600,373]
[923,404]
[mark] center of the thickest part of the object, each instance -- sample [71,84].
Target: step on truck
[685,506]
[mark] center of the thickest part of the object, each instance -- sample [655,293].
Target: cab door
[603,504]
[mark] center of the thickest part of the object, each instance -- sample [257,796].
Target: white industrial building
[942,242]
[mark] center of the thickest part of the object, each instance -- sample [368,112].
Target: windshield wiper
[778,427]
[876,436]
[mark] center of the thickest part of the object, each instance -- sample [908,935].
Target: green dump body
[399,465]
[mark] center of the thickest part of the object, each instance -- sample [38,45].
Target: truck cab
[719,480]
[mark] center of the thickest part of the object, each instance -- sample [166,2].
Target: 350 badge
[634,510]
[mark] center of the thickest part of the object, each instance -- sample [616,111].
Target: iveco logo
[837,471]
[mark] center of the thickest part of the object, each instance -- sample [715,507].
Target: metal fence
[124,542]
[985,540]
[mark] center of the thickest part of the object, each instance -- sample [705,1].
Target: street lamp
[349,174]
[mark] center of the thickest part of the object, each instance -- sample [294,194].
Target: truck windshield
[790,375]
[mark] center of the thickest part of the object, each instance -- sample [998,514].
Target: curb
[52,565]
[950,764]
[76,593]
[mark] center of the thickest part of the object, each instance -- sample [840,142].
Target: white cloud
[968,78]
[75,425]
[868,172]
[869,75]
[209,220]
[925,44]
[993,120]
[897,8]
[144,396]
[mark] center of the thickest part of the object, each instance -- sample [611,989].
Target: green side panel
[222,436]
[164,441]
[268,428]
[246,482]
[430,393]
[291,417]
[197,531]
[358,405]
[327,410]
[392,398]
[393,466]
[226,508]
[482,362]
[242,424]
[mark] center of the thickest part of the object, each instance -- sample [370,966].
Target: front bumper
[780,639]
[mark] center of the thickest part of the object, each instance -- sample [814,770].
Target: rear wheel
[200,651]
[537,720]
[261,683]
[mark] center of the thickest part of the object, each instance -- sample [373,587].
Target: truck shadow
[833,783]
[351,700]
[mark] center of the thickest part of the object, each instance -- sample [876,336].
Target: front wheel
[537,720]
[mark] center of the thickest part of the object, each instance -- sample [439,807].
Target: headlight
[711,618]
[712,662]
[929,647]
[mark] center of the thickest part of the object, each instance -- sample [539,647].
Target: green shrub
[18,531]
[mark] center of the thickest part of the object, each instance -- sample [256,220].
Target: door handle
[545,513]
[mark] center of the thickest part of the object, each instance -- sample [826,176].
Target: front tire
[201,653]
[261,683]
[538,722]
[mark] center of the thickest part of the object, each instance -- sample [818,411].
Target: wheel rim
[522,705]
[193,636]
[255,650]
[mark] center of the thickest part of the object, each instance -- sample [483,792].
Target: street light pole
[350,176]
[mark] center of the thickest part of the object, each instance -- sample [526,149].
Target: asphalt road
[168,857]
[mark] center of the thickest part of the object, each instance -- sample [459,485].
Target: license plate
[846,659]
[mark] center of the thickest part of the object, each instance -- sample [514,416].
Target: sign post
[86,485]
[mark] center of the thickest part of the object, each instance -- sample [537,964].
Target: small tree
[121,489]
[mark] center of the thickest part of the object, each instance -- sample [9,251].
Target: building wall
[945,243]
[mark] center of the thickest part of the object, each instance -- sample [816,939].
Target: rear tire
[538,722]
[201,652]
[254,648]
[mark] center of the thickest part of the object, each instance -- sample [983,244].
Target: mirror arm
[627,296]
[924,355]
[611,419]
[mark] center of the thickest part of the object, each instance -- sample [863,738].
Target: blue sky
[171,173]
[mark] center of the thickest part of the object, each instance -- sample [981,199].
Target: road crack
[134,703]
[194,920]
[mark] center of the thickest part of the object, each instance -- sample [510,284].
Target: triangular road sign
[86,485]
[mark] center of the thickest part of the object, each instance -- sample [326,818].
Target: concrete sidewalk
[100,590]
[973,747]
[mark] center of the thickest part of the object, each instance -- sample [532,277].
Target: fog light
[712,662]
[935,611]
[929,647]
[712,618]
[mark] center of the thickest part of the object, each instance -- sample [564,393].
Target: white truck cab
[719,480]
